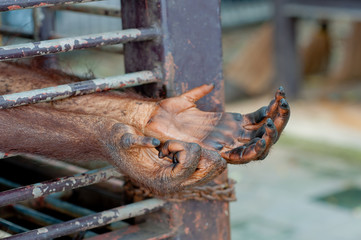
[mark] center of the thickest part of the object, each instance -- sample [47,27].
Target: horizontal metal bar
[147,230]
[12,226]
[53,202]
[92,221]
[41,218]
[78,88]
[67,169]
[76,43]
[8,183]
[9,5]
[57,185]
[96,10]
[321,11]
[37,216]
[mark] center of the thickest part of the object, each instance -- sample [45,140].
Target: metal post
[288,65]
[190,55]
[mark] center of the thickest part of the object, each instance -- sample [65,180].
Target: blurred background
[309,187]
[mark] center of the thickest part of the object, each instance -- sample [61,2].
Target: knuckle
[126,141]
[194,147]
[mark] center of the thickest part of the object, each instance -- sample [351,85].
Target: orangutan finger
[184,157]
[129,140]
[210,166]
[282,117]
[246,153]
[246,135]
[197,93]
[255,117]
[273,106]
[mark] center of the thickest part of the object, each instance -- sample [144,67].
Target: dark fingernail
[160,155]
[237,116]
[155,142]
[281,91]
[269,123]
[284,104]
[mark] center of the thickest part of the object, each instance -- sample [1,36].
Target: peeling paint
[76,43]
[37,192]
[42,230]
[76,89]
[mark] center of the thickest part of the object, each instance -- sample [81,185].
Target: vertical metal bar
[288,64]
[44,23]
[190,54]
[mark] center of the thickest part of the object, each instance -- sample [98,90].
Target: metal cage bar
[57,185]
[51,202]
[183,34]
[76,89]
[92,221]
[9,5]
[96,10]
[76,43]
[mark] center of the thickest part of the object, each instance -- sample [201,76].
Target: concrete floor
[318,156]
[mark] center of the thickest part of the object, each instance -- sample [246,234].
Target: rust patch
[14,7]
[169,67]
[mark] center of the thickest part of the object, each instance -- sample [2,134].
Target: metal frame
[163,39]
[288,65]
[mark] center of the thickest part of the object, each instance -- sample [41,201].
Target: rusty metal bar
[57,185]
[9,5]
[78,88]
[66,169]
[41,218]
[53,202]
[96,10]
[92,221]
[76,43]
[12,226]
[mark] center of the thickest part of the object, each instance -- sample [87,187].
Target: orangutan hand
[239,138]
[163,168]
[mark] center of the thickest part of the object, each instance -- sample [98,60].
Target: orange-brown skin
[165,145]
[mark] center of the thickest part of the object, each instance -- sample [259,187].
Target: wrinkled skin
[166,167]
[165,145]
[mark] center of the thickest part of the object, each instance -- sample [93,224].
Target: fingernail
[284,103]
[269,123]
[160,155]
[155,142]
[281,91]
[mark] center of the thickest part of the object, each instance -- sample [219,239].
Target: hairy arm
[52,133]
[240,138]
[173,166]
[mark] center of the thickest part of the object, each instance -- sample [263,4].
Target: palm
[239,138]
